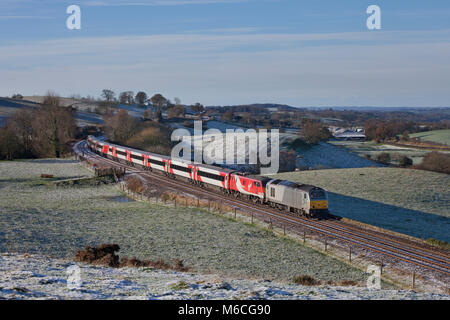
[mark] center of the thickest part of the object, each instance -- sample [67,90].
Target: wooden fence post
[414,279]
[350,254]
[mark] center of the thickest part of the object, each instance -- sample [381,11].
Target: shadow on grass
[412,222]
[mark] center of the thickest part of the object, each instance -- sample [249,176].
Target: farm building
[349,134]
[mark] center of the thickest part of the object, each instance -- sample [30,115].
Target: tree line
[123,129]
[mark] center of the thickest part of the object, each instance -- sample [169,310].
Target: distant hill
[258,107]
[371,108]
[8,106]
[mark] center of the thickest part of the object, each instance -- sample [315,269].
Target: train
[302,199]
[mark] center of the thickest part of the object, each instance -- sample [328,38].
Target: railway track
[378,242]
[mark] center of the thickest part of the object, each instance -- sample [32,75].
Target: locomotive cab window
[316,194]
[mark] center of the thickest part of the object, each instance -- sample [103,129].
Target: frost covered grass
[37,277]
[372,149]
[330,155]
[410,201]
[438,136]
[57,221]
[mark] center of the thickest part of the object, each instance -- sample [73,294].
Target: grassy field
[364,148]
[37,217]
[410,201]
[438,136]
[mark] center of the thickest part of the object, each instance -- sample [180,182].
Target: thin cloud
[24,17]
[159,3]
[359,68]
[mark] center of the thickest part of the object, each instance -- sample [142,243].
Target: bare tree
[120,127]
[54,126]
[197,108]
[108,95]
[126,97]
[158,101]
[176,111]
[141,97]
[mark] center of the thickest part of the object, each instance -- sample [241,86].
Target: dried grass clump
[306,280]
[105,255]
[348,283]
[436,161]
[101,255]
[135,184]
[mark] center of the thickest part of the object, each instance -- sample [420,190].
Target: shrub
[438,243]
[404,161]
[306,280]
[436,161]
[384,158]
[314,132]
[182,285]
[348,283]
[135,184]
[38,133]
[105,255]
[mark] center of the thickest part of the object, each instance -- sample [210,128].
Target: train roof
[131,149]
[208,166]
[252,176]
[295,185]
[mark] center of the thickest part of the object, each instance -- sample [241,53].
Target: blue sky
[222,52]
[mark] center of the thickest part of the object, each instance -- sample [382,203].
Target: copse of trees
[377,130]
[436,161]
[17,96]
[405,161]
[121,128]
[40,132]
[227,116]
[126,97]
[197,108]
[158,101]
[141,97]
[177,111]
[108,95]
[314,132]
